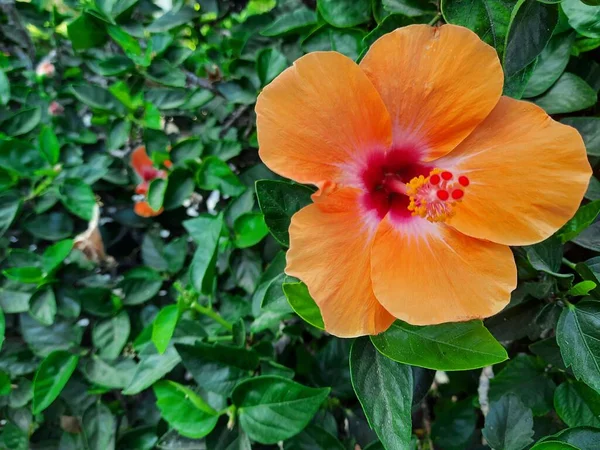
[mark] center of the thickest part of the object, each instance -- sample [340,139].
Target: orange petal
[143,209]
[330,252]
[140,159]
[528,175]
[438,84]
[320,119]
[436,274]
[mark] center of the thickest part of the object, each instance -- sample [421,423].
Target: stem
[568,263]
[437,17]
[212,314]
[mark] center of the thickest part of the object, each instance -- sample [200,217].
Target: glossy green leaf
[508,424]
[205,230]
[345,13]
[172,19]
[550,65]
[583,17]
[215,174]
[2,327]
[156,193]
[86,31]
[140,285]
[582,219]
[530,29]
[272,409]
[270,63]
[78,198]
[42,306]
[49,145]
[110,335]
[581,438]
[151,368]
[291,22]
[524,377]
[10,203]
[569,94]
[163,327]
[279,201]
[22,122]
[216,367]
[389,415]
[578,337]
[303,304]
[410,8]
[577,405]
[347,41]
[250,228]
[51,377]
[4,88]
[449,346]
[55,254]
[97,97]
[489,19]
[184,410]
[582,288]
[99,427]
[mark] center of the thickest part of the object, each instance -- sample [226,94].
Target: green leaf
[272,409]
[98,98]
[151,368]
[99,427]
[163,327]
[55,254]
[551,64]
[110,335]
[250,228]
[112,375]
[10,203]
[569,94]
[42,306]
[454,426]
[577,405]
[449,346]
[49,145]
[530,29]
[279,201]
[589,128]
[313,437]
[582,288]
[4,89]
[582,17]
[2,328]
[52,227]
[184,410]
[215,174]
[205,230]
[86,31]
[489,19]
[22,122]
[111,66]
[131,46]
[582,438]
[547,256]
[78,197]
[186,150]
[270,63]
[578,336]
[24,274]
[373,374]
[118,135]
[156,193]
[524,377]
[218,368]
[410,8]
[291,22]
[582,219]
[553,445]
[140,285]
[345,13]
[172,19]
[51,377]
[179,188]
[508,424]
[348,42]
[303,304]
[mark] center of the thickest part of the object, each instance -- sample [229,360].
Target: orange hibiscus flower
[145,169]
[426,175]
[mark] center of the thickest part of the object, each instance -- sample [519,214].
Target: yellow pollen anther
[434,197]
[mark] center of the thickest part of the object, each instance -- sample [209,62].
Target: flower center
[398,183]
[434,197]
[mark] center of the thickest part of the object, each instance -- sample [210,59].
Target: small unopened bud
[55,109]
[45,69]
